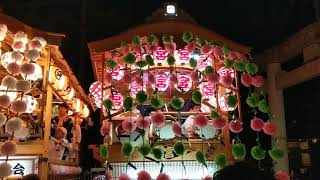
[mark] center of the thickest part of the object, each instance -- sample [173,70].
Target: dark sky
[256,23]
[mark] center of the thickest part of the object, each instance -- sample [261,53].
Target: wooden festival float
[147,76]
[35,78]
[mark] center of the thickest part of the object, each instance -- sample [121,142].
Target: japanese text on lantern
[183,55]
[117,73]
[184,82]
[134,88]
[160,55]
[117,100]
[206,89]
[18,170]
[162,81]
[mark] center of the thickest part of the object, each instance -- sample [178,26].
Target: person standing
[65,121]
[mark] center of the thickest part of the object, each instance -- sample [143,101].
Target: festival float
[34,79]
[169,96]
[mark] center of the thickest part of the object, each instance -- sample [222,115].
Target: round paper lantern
[235,126]
[128,126]
[16,56]
[5,169]
[13,68]
[4,101]
[20,36]
[3,31]
[6,59]
[8,148]
[24,86]
[18,46]
[269,128]
[27,68]
[19,106]
[9,82]
[42,41]
[143,175]
[3,119]
[13,124]
[37,74]
[257,124]
[163,176]
[35,45]
[31,103]
[200,121]
[32,55]
[23,133]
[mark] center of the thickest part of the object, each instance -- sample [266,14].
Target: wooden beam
[291,47]
[299,75]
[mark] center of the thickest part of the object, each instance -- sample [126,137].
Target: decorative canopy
[156,25]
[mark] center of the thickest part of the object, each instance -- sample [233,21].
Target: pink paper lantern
[129,126]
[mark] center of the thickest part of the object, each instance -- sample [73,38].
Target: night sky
[256,23]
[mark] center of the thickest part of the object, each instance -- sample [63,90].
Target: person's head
[196,108]
[60,133]
[31,177]
[242,170]
[63,109]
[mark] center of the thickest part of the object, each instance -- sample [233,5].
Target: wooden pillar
[277,110]
[44,164]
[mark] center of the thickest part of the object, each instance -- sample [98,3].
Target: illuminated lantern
[203,62]
[85,111]
[18,46]
[117,100]
[134,88]
[184,82]
[117,73]
[96,92]
[182,56]
[160,55]
[77,105]
[31,103]
[224,72]
[59,80]
[6,59]
[68,92]
[3,31]
[12,95]
[20,36]
[162,81]
[207,90]
[36,75]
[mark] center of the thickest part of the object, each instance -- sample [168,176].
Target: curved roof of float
[54,40]
[157,24]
